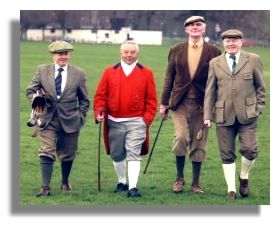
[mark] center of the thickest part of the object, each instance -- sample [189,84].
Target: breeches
[56,143]
[247,137]
[126,139]
[187,120]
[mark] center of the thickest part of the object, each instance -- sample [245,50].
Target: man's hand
[207,123]
[99,118]
[163,111]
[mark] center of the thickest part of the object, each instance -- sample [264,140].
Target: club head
[31,122]
[199,135]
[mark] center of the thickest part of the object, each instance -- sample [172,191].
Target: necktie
[233,57]
[195,46]
[58,80]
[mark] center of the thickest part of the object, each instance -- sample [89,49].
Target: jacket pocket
[250,107]
[248,76]
[82,118]
[220,112]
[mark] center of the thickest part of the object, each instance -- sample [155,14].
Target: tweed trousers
[187,120]
[55,143]
[226,136]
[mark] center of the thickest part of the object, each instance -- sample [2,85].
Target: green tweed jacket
[240,95]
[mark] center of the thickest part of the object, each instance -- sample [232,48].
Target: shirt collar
[56,66]
[199,43]
[125,65]
[237,55]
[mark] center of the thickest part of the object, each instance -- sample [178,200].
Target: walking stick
[98,158]
[150,156]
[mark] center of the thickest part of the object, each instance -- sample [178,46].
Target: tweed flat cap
[232,33]
[193,19]
[60,46]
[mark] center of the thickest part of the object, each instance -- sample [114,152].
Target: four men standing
[125,100]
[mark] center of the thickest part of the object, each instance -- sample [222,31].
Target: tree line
[254,23]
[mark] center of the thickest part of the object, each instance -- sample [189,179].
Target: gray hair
[132,42]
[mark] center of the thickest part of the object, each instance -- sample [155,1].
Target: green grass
[156,184]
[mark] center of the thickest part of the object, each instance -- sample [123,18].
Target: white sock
[245,167]
[120,168]
[133,173]
[229,173]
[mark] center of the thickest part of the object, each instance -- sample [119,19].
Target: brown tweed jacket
[178,79]
[241,95]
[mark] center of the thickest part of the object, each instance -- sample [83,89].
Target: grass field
[156,184]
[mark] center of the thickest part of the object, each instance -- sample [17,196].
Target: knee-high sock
[180,164]
[65,170]
[120,168]
[46,170]
[196,167]
[246,165]
[229,173]
[133,173]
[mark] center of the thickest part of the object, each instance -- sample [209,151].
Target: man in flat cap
[64,116]
[234,98]
[183,93]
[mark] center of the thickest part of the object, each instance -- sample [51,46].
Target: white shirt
[63,74]
[127,69]
[230,60]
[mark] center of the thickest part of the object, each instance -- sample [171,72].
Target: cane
[150,156]
[98,158]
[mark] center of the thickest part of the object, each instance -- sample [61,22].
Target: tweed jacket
[73,103]
[178,80]
[240,95]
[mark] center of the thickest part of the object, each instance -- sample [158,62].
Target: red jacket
[126,96]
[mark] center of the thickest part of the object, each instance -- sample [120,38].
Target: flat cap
[60,46]
[232,33]
[193,19]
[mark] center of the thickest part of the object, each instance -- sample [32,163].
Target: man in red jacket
[126,99]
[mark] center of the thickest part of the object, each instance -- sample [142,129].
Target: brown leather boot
[231,195]
[45,191]
[178,186]
[66,187]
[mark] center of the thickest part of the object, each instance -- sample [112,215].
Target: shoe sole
[43,195]
[177,191]
[244,195]
[138,196]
